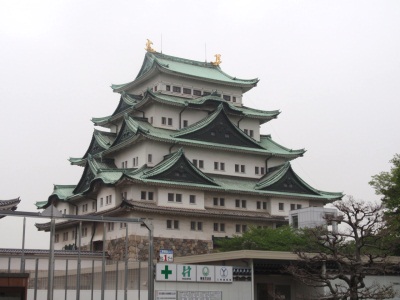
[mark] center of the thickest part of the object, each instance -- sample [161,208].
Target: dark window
[215,165]
[170,121]
[242,168]
[237,203]
[176,89]
[236,168]
[216,226]
[245,131]
[281,206]
[168,88]
[185,123]
[151,196]
[196,92]
[264,205]
[222,227]
[234,99]
[187,91]
[143,195]
[258,204]
[206,93]
[222,201]
[215,201]
[178,197]
[149,158]
[292,206]
[201,164]
[222,166]
[227,98]
[176,224]
[163,120]
[244,228]
[171,197]
[238,227]
[192,199]
[262,170]
[298,206]
[169,224]
[192,225]
[199,225]
[155,88]
[251,133]
[244,203]
[195,162]
[256,170]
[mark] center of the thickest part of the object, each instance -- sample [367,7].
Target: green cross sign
[166,272]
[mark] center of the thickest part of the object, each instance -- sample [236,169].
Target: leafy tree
[340,261]
[284,238]
[387,184]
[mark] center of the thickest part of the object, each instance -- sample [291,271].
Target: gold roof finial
[217,60]
[148,46]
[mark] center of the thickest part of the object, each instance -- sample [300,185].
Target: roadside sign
[223,274]
[186,272]
[205,273]
[166,272]
[166,255]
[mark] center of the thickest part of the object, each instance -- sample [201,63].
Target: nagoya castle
[182,151]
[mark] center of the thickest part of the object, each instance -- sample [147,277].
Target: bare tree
[339,261]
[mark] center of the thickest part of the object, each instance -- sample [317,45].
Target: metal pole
[9,264]
[78,265]
[103,265]
[150,267]
[91,294]
[23,247]
[252,279]
[116,281]
[51,260]
[66,280]
[126,263]
[36,279]
[139,284]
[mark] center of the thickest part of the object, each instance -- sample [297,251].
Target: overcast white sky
[331,67]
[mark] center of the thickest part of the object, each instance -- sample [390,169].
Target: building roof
[155,62]
[10,204]
[126,105]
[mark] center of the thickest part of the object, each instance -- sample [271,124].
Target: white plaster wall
[103,193]
[249,124]
[162,199]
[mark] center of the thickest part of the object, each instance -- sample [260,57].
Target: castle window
[56,238]
[149,158]
[219,227]
[108,199]
[110,226]
[219,202]
[298,206]
[84,207]
[281,206]
[234,99]
[187,91]
[170,197]
[150,196]
[185,123]
[244,203]
[258,204]
[256,170]
[94,205]
[172,224]
[155,88]
[206,93]
[196,92]
[170,121]
[143,195]
[242,168]
[84,231]
[178,197]
[176,89]
[237,203]
[163,120]
[196,225]
[262,170]
[65,236]
[168,88]
[251,133]
[101,202]
[201,164]
[295,221]
[195,162]
[122,225]
[192,199]
[227,98]
[264,205]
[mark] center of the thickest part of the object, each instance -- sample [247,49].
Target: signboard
[167,255]
[194,273]
[166,272]
[223,274]
[165,295]
[186,273]
[199,295]
[205,273]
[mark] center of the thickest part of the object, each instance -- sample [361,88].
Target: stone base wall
[138,247]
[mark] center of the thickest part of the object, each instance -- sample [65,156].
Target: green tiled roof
[158,62]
